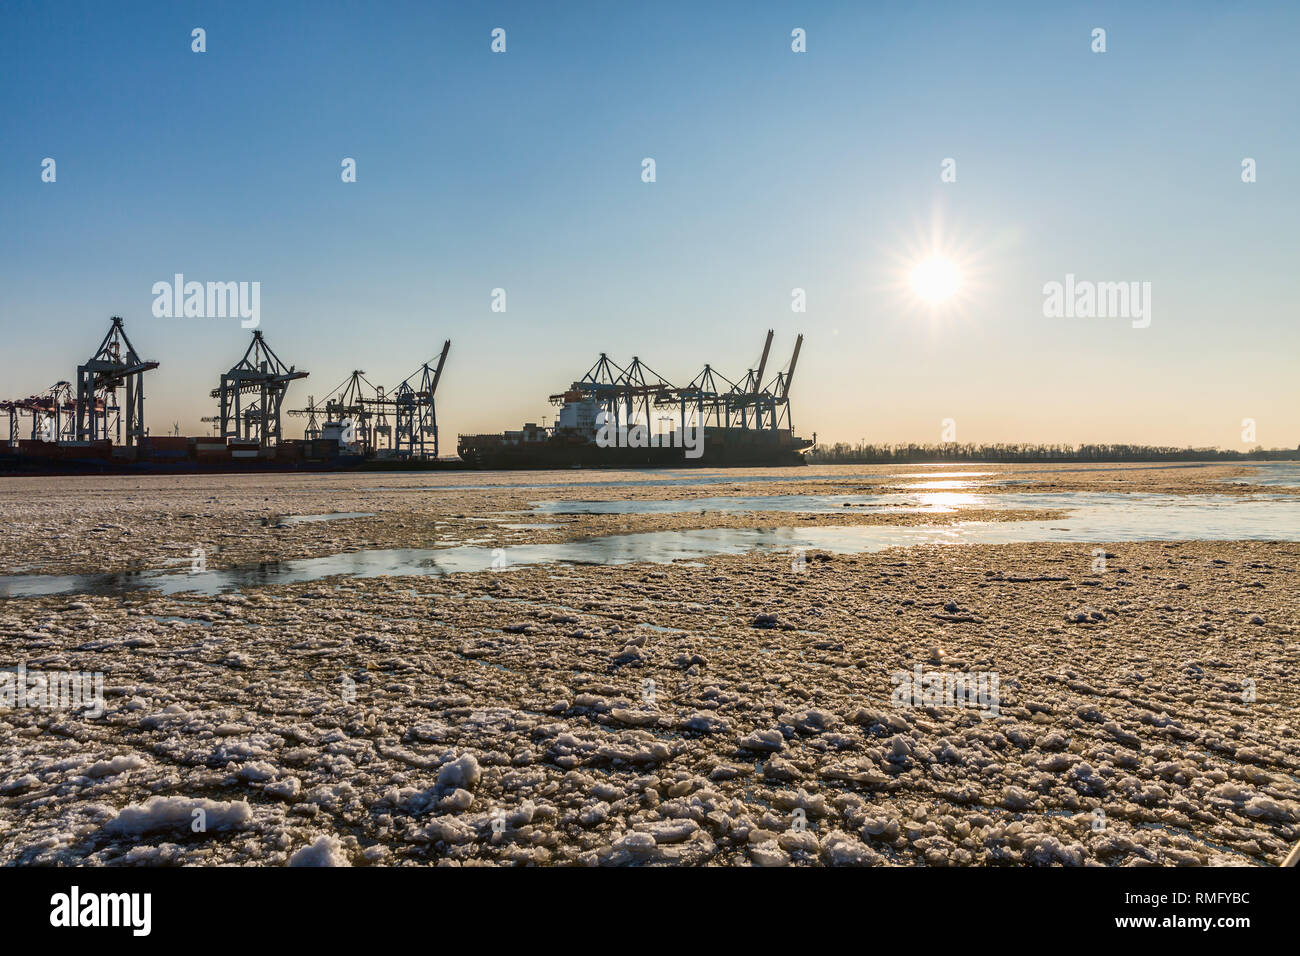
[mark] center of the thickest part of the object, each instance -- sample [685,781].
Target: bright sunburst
[940,274]
[935,279]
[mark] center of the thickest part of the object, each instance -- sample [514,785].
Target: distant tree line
[842,453]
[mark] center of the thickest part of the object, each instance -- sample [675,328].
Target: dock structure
[51,414]
[88,421]
[347,405]
[91,413]
[312,431]
[710,400]
[251,394]
[401,422]
[416,413]
[114,365]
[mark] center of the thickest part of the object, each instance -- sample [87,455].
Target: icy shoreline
[507,718]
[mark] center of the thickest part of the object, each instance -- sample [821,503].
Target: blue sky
[775,170]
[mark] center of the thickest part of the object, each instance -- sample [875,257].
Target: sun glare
[935,279]
[939,275]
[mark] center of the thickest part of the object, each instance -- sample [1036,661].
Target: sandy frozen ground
[727,711]
[93,525]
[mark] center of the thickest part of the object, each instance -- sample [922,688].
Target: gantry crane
[114,365]
[416,414]
[769,404]
[627,395]
[53,415]
[312,431]
[251,393]
[412,432]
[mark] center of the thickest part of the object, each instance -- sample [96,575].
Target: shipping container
[38,449]
[168,442]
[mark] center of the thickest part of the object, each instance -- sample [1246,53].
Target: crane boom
[437,374]
[798,342]
[762,363]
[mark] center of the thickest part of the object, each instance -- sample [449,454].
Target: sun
[936,279]
[938,276]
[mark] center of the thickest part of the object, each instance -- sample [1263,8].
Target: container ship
[606,420]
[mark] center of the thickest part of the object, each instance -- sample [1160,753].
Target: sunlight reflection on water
[1093,517]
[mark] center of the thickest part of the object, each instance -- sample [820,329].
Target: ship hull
[751,449]
[19,465]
